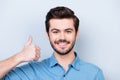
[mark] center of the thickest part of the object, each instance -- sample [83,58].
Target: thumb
[29,42]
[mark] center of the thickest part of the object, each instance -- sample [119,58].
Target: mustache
[63,41]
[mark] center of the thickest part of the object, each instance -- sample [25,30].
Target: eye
[55,31]
[69,31]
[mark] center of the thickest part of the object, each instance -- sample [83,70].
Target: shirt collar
[75,64]
[53,61]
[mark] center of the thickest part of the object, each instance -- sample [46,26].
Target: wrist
[18,58]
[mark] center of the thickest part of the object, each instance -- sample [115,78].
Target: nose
[62,35]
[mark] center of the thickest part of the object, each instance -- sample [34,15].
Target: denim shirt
[50,69]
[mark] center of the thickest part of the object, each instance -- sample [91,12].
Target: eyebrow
[54,29]
[69,29]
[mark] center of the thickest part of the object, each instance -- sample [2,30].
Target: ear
[77,34]
[47,34]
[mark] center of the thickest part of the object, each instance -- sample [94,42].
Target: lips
[62,44]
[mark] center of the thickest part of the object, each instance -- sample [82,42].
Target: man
[62,31]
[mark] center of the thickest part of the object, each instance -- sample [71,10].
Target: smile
[62,44]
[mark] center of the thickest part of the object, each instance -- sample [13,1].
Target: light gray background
[98,42]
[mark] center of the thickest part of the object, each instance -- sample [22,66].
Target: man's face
[62,35]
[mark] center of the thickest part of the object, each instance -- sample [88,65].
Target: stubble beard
[66,51]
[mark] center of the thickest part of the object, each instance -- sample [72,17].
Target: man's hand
[30,52]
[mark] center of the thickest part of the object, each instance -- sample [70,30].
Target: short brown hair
[60,13]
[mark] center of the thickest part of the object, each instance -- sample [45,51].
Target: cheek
[71,37]
[52,38]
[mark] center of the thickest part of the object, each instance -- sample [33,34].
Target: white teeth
[62,44]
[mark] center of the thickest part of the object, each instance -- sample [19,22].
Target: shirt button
[63,75]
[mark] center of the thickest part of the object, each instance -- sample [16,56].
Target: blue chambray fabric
[49,69]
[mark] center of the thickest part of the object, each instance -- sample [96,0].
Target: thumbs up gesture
[30,52]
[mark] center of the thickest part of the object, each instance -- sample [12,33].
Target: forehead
[61,23]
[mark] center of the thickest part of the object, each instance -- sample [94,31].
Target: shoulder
[86,66]
[41,63]
[89,67]
[91,70]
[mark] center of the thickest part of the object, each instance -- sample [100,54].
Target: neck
[65,60]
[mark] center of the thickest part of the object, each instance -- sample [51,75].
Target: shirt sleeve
[24,72]
[99,75]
